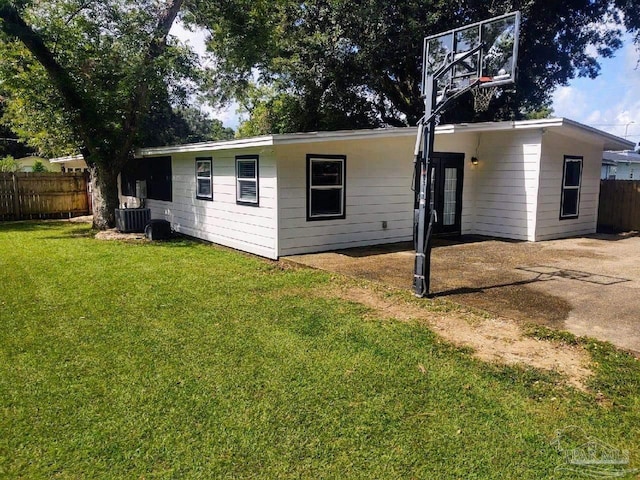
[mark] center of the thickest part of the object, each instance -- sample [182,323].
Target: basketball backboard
[494,63]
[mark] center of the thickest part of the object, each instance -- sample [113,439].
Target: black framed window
[571,182]
[326,191]
[204,178]
[156,171]
[247,182]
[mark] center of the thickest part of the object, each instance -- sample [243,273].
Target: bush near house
[9,164]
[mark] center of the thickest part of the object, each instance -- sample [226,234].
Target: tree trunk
[104,194]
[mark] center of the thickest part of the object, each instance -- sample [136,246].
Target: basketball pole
[422,155]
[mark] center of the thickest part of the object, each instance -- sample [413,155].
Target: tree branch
[14,26]
[139,101]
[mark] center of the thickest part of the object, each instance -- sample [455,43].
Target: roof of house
[562,125]
[68,158]
[625,156]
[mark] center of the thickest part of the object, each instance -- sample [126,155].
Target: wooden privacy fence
[619,208]
[26,196]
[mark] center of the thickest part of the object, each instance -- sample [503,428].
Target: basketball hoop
[482,95]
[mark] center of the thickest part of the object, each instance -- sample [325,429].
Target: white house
[280,195]
[624,165]
[72,163]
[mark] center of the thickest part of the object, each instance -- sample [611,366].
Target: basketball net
[482,95]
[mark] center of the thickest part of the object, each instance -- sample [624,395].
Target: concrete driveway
[588,286]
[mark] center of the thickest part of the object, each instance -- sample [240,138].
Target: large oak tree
[85,75]
[339,63]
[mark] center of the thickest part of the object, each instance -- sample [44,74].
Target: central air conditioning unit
[132,220]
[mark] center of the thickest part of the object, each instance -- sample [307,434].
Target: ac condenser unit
[130,220]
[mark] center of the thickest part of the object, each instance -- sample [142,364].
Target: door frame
[440,161]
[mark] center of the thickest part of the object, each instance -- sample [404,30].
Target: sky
[610,102]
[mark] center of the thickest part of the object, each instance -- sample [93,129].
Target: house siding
[514,192]
[505,184]
[554,149]
[249,228]
[378,188]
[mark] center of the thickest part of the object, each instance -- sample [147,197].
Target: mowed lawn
[184,360]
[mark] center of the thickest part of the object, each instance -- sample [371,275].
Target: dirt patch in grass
[493,339]
[113,234]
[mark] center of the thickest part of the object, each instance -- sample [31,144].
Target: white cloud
[196,39]
[569,102]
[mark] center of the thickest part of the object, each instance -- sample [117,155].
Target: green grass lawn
[183,360]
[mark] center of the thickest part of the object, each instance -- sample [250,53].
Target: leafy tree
[544,112]
[9,142]
[83,75]
[200,127]
[359,63]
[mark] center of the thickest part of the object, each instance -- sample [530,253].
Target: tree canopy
[336,63]
[83,75]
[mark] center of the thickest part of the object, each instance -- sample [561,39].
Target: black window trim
[343,159]
[208,198]
[239,201]
[571,158]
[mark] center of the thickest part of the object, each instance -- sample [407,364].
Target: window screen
[247,180]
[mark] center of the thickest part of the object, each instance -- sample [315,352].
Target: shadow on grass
[31,225]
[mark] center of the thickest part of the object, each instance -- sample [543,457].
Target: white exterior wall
[222,221]
[378,188]
[554,148]
[503,187]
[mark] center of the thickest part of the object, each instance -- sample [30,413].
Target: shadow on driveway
[588,285]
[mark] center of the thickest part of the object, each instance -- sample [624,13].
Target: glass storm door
[447,175]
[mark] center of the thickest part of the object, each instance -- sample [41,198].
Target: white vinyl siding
[504,184]
[223,221]
[554,149]
[378,188]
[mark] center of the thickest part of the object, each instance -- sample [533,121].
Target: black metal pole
[424,217]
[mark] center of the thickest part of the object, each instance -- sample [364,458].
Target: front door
[447,171]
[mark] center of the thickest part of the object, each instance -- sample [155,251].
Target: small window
[204,179]
[247,180]
[571,180]
[325,187]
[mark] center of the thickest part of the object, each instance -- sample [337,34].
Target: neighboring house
[624,165]
[288,194]
[72,163]
[27,163]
